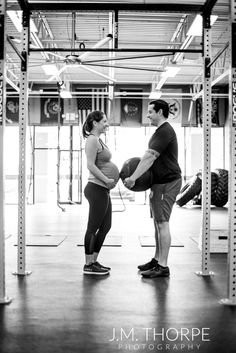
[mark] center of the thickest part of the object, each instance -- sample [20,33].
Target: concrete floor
[57,309]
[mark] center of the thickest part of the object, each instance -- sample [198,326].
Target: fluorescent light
[196,27]
[33,28]
[16,18]
[171,71]
[155,95]
[65,94]
[50,69]
[161,83]
[99,44]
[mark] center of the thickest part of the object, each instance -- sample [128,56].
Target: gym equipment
[197,200]
[144,182]
[192,189]
[220,194]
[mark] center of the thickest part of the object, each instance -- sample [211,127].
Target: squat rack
[205,10]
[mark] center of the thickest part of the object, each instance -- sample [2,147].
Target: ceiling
[145,34]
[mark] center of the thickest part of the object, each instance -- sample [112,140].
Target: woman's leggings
[99,219]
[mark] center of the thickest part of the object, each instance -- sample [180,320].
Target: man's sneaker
[94,269]
[102,266]
[157,271]
[149,265]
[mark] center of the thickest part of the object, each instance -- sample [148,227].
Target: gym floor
[57,309]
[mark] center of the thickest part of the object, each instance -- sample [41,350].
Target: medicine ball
[144,182]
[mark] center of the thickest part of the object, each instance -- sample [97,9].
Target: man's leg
[164,242]
[157,250]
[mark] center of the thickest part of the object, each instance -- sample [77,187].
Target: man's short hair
[160,104]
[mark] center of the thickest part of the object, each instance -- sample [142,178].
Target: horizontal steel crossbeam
[112,6]
[123,50]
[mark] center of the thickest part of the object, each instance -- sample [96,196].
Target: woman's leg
[97,197]
[103,229]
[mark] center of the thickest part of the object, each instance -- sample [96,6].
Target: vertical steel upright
[23,117]
[206,163]
[113,28]
[231,300]
[59,152]
[3,298]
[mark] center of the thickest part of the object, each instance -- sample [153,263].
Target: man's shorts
[162,198]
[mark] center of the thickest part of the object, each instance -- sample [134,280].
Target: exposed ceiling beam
[208,6]
[112,6]
[117,94]
[24,5]
[122,50]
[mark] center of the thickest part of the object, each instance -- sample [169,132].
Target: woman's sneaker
[102,266]
[94,269]
[149,265]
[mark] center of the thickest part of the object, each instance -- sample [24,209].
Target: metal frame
[32,168]
[231,300]
[3,298]
[206,175]
[111,6]
[71,152]
[118,50]
[23,116]
[59,154]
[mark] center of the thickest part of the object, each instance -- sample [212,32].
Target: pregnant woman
[103,176]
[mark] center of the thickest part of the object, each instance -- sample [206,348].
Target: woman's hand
[110,183]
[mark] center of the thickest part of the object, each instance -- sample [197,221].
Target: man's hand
[129,183]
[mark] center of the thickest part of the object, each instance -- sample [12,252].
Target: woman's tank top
[104,164]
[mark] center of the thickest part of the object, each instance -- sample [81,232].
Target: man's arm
[146,162]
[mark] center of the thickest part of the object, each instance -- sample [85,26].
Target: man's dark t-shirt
[165,168]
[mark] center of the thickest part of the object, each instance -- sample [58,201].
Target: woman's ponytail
[85,130]
[95,115]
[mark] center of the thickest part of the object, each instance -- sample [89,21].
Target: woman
[103,176]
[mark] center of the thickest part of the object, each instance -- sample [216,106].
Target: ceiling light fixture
[194,30]
[196,27]
[50,69]
[155,95]
[171,71]
[64,90]
[16,18]
[65,94]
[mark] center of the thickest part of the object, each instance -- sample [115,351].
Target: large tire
[214,183]
[191,189]
[220,197]
[214,186]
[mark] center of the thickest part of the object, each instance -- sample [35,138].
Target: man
[162,158]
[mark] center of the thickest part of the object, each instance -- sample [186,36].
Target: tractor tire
[191,189]
[214,182]
[220,197]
